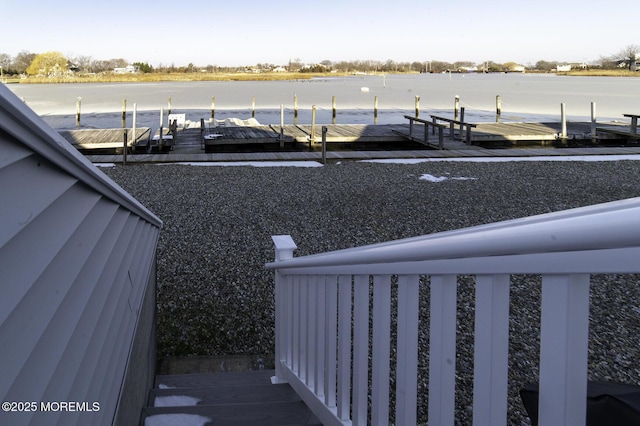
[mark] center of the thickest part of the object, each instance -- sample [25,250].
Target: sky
[249,32]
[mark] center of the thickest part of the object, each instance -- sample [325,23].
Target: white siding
[76,254]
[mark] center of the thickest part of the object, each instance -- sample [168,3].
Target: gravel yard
[215,297]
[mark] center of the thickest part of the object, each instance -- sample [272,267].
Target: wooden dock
[361,141]
[91,139]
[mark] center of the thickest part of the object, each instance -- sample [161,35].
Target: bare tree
[5,61]
[22,61]
[629,55]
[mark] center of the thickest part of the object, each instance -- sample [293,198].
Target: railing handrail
[565,231]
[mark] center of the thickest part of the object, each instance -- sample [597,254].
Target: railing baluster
[331,340]
[288,319]
[564,339]
[442,350]
[407,358]
[360,348]
[304,324]
[491,350]
[311,327]
[381,350]
[295,346]
[319,362]
[344,347]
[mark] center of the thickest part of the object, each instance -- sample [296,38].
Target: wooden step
[244,398]
[255,414]
[206,380]
[220,395]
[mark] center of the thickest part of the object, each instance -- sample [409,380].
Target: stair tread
[264,414]
[214,379]
[229,394]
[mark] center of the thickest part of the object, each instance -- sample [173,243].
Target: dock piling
[295,109]
[498,108]
[253,107]
[333,110]
[324,144]
[281,126]
[78,111]
[375,110]
[563,119]
[124,113]
[213,109]
[456,107]
[312,139]
[160,138]
[594,132]
[417,104]
[124,147]
[169,106]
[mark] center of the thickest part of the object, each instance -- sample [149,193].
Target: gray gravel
[215,297]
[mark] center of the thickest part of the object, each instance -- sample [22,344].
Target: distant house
[563,68]
[77,282]
[129,69]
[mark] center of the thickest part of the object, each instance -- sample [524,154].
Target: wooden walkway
[361,141]
[176,156]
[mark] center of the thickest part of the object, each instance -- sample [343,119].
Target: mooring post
[324,144]
[78,111]
[169,106]
[417,102]
[281,126]
[498,108]
[563,119]
[295,109]
[456,107]
[133,124]
[333,109]
[160,138]
[253,107]
[124,147]
[124,113]
[375,110]
[213,109]
[313,125]
[594,132]
[461,123]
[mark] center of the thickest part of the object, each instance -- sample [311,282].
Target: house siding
[77,266]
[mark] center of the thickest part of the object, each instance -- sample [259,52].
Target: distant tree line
[56,64]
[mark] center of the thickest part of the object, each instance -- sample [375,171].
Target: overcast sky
[247,32]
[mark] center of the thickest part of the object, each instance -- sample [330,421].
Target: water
[525,97]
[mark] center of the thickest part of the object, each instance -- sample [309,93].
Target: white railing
[323,348]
